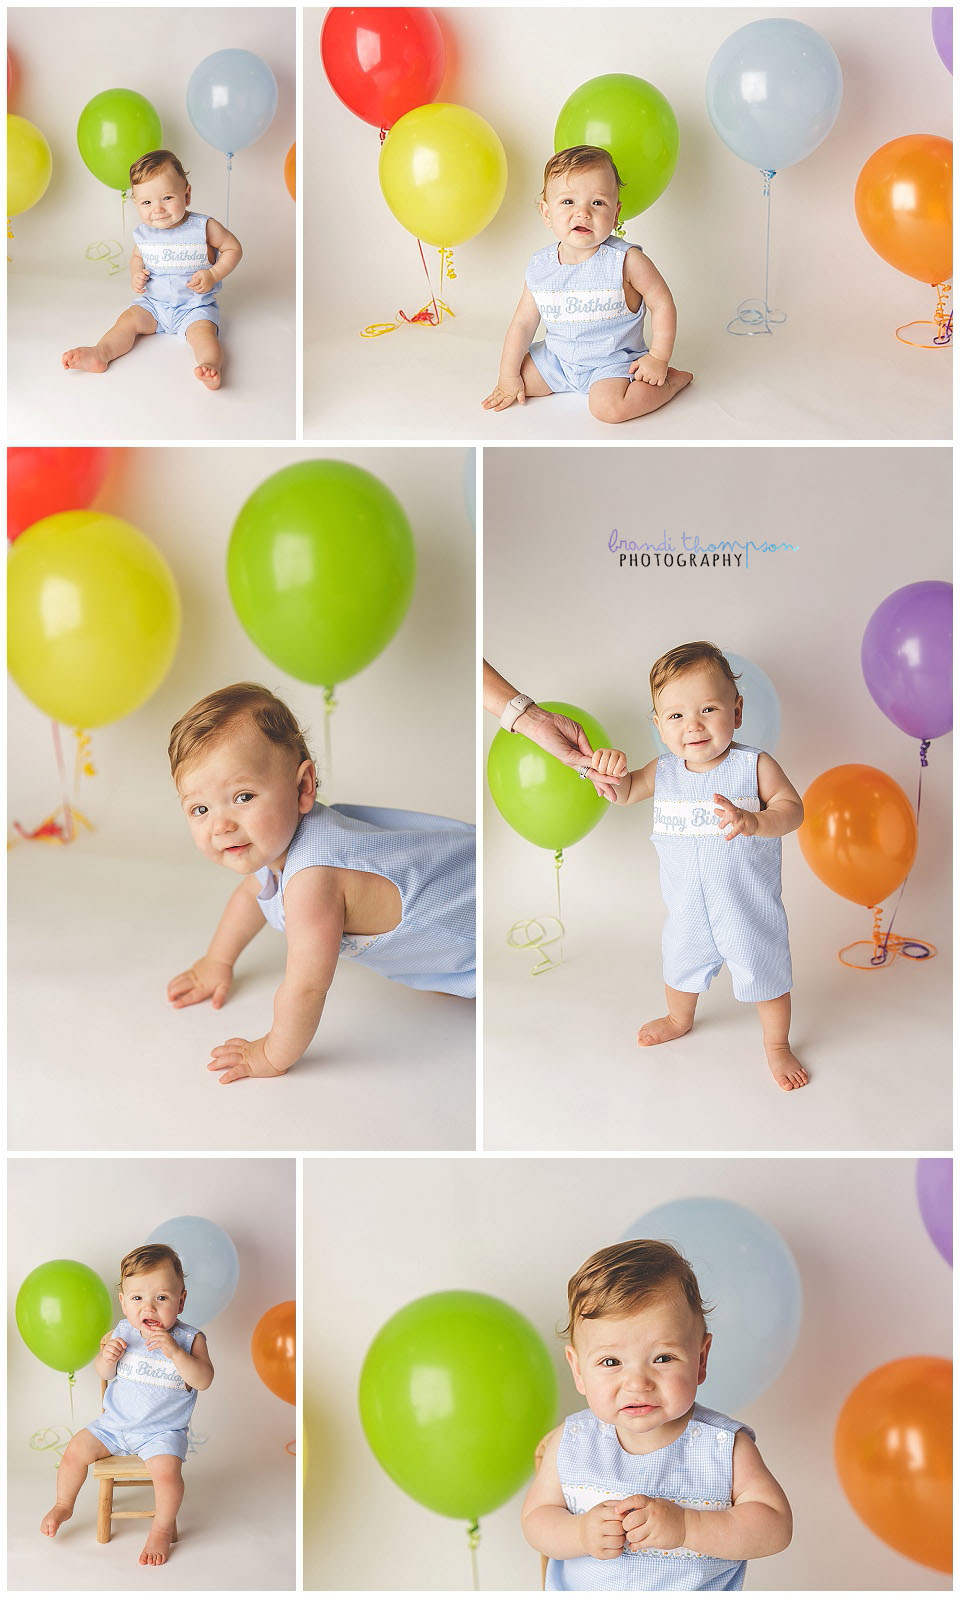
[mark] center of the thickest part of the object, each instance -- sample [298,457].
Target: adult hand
[566,740]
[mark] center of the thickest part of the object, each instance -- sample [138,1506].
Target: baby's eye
[242,798]
[664,1358]
[599,202]
[198,810]
[609,1361]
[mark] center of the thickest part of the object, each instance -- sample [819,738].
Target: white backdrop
[58,299]
[121,911]
[563,620]
[834,370]
[378,1235]
[237,1524]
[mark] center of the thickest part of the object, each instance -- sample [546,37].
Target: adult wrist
[513,710]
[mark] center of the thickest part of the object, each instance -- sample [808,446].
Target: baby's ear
[572,1361]
[704,1351]
[306,786]
[738,712]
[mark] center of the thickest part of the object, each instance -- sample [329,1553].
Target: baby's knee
[165,1468]
[606,407]
[83,1448]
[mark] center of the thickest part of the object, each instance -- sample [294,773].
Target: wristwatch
[514,709]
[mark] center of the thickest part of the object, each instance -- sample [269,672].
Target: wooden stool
[119,1470]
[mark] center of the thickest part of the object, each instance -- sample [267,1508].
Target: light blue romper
[431,861]
[171,256]
[147,1405]
[695,1470]
[589,330]
[723,899]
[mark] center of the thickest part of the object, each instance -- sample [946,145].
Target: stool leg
[104,1509]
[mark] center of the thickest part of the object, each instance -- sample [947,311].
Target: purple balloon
[935,1197]
[906,658]
[941,19]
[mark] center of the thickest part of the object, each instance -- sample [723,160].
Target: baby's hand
[202,281]
[652,1523]
[506,394]
[139,280]
[611,765]
[208,979]
[649,369]
[156,1337]
[239,1058]
[601,1530]
[734,821]
[112,1348]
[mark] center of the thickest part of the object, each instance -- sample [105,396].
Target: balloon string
[71,1384]
[888,946]
[542,934]
[429,315]
[49,1439]
[755,316]
[226,220]
[62,826]
[291,1448]
[329,706]
[942,321]
[473,1543]
[70,831]
[110,251]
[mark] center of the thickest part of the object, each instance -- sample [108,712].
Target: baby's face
[581,208]
[162,200]
[244,798]
[153,1300]
[697,714]
[641,1371]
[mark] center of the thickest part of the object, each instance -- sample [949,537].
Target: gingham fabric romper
[431,861]
[696,1470]
[590,331]
[171,256]
[147,1406]
[723,898]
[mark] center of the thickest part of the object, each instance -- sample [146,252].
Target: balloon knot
[924,746]
[768,176]
[473,1535]
[329,702]
[558,858]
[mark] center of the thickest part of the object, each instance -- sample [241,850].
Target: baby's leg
[167,1473]
[617,399]
[202,339]
[681,1009]
[120,339]
[774,1016]
[78,1456]
[534,386]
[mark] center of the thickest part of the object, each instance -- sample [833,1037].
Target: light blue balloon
[761,707]
[231,99]
[210,1264]
[773,92]
[749,1276]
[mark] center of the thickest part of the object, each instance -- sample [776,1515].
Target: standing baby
[180,257]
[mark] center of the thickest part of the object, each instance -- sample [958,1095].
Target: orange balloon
[274,1349]
[893,1448]
[904,205]
[290,171]
[859,832]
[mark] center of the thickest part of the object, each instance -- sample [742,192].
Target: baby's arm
[195,1367]
[632,785]
[218,238]
[782,806]
[549,1526]
[139,276]
[212,975]
[640,271]
[758,1524]
[313,905]
[526,320]
[111,1352]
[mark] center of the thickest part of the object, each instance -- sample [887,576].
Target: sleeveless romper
[171,256]
[431,861]
[589,330]
[723,899]
[147,1406]
[695,1470]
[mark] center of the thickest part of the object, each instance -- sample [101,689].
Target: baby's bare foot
[85,358]
[156,1549]
[678,379]
[788,1073]
[54,1519]
[664,1030]
[210,375]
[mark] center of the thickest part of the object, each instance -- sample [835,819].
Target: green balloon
[63,1310]
[542,799]
[115,129]
[320,569]
[455,1393]
[634,123]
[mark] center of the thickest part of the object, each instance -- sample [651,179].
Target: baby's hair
[624,1277]
[577,159]
[153,162]
[147,1258]
[206,723]
[676,661]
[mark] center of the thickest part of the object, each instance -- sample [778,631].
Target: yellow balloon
[443,172]
[93,617]
[29,165]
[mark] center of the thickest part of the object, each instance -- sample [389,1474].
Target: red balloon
[43,482]
[382,61]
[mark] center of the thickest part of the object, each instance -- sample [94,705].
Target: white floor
[562,1070]
[812,379]
[108,1064]
[151,394]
